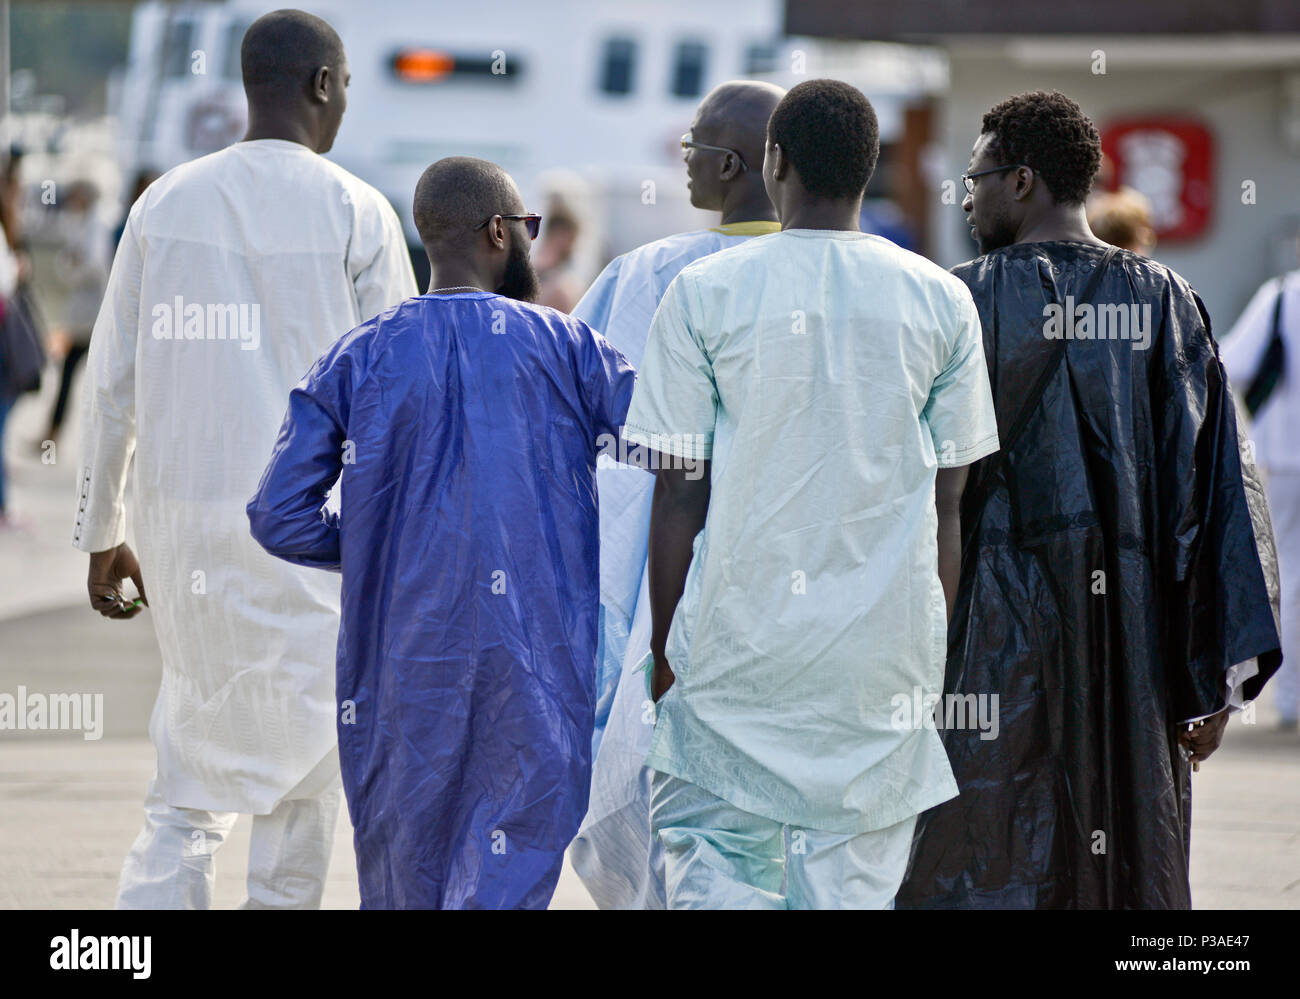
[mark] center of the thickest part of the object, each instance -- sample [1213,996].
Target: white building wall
[1238,92]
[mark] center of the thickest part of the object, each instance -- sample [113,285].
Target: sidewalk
[72,807]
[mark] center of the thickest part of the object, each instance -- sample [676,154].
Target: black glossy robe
[1129,466]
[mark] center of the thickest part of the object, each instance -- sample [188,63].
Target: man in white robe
[235,272]
[1275,311]
[613,852]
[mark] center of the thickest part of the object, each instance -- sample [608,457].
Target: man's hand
[662,678]
[1204,738]
[107,571]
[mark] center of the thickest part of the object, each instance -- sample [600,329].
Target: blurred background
[584,103]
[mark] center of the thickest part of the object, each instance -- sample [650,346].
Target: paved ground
[70,807]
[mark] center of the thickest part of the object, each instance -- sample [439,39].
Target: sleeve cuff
[691,446]
[1234,683]
[92,532]
[968,454]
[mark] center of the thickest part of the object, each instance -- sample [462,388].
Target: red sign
[1170,160]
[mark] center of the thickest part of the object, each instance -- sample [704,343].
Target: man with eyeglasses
[462,428]
[1118,585]
[613,853]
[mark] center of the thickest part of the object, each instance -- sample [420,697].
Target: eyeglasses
[689,143]
[969,178]
[533,223]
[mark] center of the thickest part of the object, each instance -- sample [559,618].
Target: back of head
[735,115]
[456,194]
[282,51]
[82,195]
[1050,134]
[1122,218]
[828,132]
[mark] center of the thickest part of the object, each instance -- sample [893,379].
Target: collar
[747,228]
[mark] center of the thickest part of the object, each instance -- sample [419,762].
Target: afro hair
[1051,134]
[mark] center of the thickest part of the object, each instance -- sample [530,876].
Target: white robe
[236,271]
[1276,451]
[613,852]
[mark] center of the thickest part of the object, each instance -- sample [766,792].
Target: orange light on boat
[423,65]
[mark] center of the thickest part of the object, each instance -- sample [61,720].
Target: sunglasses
[689,143]
[533,223]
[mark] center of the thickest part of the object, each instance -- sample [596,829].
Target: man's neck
[824,213]
[1062,223]
[455,274]
[278,127]
[748,206]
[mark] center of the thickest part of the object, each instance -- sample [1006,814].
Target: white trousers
[720,857]
[1283,490]
[172,864]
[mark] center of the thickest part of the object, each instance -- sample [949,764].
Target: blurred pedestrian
[557,283]
[143,179]
[8,393]
[1262,356]
[462,428]
[1123,218]
[81,267]
[236,271]
[614,853]
[22,356]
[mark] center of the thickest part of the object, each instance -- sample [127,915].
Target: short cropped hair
[457,193]
[828,131]
[282,51]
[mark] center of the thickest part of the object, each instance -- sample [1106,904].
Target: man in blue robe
[462,427]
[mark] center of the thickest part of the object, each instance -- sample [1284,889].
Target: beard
[994,233]
[519,280]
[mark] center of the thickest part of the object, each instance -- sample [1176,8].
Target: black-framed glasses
[533,223]
[969,178]
[689,143]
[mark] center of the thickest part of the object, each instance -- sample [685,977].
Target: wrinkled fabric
[235,272]
[1284,505]
[620,304]
[719,857]
[1123,565]
[828,375]
[1243,348]
[172,863]
[1277,452]
[613,852]
[465,432]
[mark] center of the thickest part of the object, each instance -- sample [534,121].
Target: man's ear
[496,230]
[730,167]
[1025,178]
[320,85]
[779,163]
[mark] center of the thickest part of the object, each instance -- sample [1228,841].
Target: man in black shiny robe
[1119,577]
